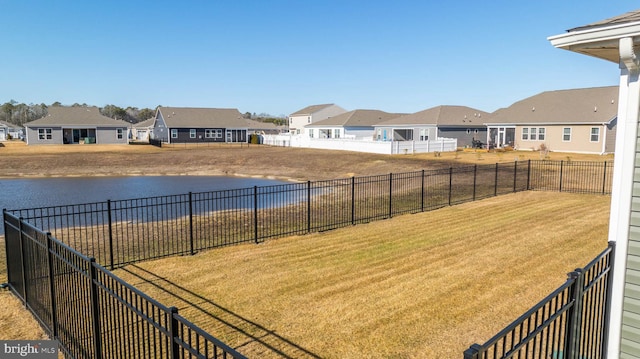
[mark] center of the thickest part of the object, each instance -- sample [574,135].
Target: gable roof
[444,115]
[631,16]
[595,105]
[309,110]
[202,117]
[75,116]
[356,118]
[145,123]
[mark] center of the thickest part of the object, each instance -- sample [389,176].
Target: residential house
[618,40]
[4,130]
[74,125]
[460,122]
[312,114]
[356,124]
[198,125]
[141,131]
[578,120]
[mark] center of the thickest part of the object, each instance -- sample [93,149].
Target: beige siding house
[312,114]
[577,120]
[617,40]
[76,125]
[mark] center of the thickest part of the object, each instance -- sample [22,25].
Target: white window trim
[543,133]
[45,134]
[192,133]
[591,135]
[525,133]
[174,133]
[565,128]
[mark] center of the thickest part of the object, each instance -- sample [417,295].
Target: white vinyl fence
[362,145]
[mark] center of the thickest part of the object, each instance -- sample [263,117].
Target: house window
[213,133]
[119,133]
[541,134]
[424,134]
[192,133]
[595,134]
[533,133]
[311,133]
[525,134]
[566,134]
[44,134]
[174,133]
[337,133]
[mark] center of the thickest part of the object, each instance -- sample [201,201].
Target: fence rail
[571,322]
[58,258]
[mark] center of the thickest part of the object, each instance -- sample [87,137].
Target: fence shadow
[254,337]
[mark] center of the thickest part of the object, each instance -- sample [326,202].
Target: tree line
[20,113]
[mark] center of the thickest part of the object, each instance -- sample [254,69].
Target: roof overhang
[601,42]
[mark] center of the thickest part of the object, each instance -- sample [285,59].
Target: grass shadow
[254,337]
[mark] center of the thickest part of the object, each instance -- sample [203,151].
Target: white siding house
[312,114]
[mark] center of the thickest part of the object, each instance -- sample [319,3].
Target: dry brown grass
[418,286]
[19,160]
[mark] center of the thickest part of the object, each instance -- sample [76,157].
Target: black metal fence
[569,323]
[77,242]
[90,311]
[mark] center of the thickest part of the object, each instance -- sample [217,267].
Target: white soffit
[600,42]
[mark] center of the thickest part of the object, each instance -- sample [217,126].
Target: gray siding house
[618,40]
[199,125]
[460,122]
[75,125]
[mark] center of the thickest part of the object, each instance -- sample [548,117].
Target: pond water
[42,192]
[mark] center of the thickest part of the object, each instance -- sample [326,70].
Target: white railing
[362,145]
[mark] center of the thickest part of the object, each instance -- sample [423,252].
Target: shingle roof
[311,109]
[631,16]
[145,123]
[444,115]
[202,117]
[356,118]
[587,105]
[75,116]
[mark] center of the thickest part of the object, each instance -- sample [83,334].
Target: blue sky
[278,56]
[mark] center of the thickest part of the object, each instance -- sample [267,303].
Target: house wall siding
[580,139]
[160,131]
[610,145]
[56,136]
[630,333]
[109,135]
[184,136]
[460,133]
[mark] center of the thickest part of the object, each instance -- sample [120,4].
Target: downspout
[622,186]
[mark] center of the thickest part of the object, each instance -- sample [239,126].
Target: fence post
[515,175]
[422,192]
[473,352]
[607,304]
[24,275]
[475,176]
[95,308]
[255,213]
[308,206]
[110,234]
[450,183]
[574,318]
[353,200]
[390,193]
[561,166]
[528,174]
[604,178]
[174,349]
[191,251]
[52,291]
[495,185]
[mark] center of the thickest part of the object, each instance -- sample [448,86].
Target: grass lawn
[425,285]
